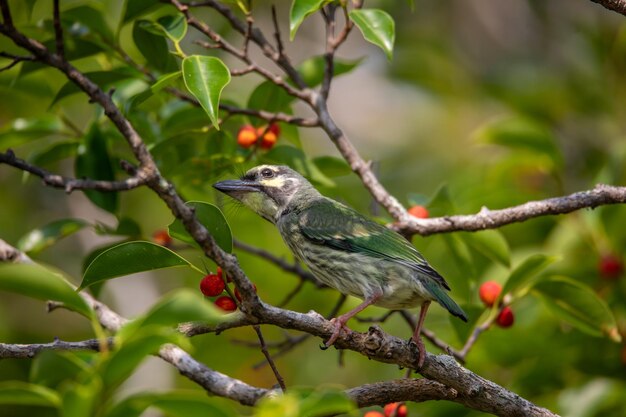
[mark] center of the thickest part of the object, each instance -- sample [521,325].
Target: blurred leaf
[312,70]
[300,9]
[212,218]
[173,27]
[17,392]
[461,255]
[181,306]
[521,133]
[153,48]
[164,81]
[490,243]
[37,282]
[54,153]
[464,330]
[125,227]
[579,305]
[79,397]
[50,367]
[297,159]
[104,79]
[441,204]
[121,363]
[332,166]
[136,8]
[415,199]
[377,27]
[129,258]
[88,17]
[205,77]
[269,97]
[39,239]
[306,403]
[22,130]
[174,403]
[522,277]
[93,162]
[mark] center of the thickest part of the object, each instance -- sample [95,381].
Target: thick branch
[618,6]
[492,219]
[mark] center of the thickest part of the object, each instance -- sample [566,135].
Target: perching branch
[29,351]
[618,6]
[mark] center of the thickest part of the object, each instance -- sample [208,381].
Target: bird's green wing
[337,226]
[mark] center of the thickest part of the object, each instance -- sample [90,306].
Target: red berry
[610,267]
[489,292]
[419,211]
[395,410]
[268,138]
[226,303]
[373,414]
[274,128]
[505,318]
[212,285]
[247,136]
[161,237]
[238,296]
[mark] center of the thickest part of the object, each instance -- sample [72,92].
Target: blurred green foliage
[486,105]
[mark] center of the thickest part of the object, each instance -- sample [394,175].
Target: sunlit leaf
[377,27]
[205,77]
[523,276]
[38,239]
[212,218]
[300,9]
[38,282]
[579,305]
[174,27]
[130,258]
[22,393]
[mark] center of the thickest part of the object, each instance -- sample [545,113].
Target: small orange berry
[161,237]
[489,292]
[268,137]
[373,414]
[247,136]
[395,410]
[274,128]
[419,211]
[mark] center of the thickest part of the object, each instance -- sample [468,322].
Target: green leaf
[490,243]
[79,398]
[300,9]
[37,282]
[93,162]
[164,81]
[579,305]
[50,368]
[212,218]
[22,393]
[130,258]
[87,20]
[297,159]
[523,134]
[104,79]
[136,8]
[173,27]
[38,239]
[153,47]
[54,153]
[301,402]
[23,130]
[173,403]
[125,227]
[464,330]
[332,166]
[462,256]
[312,70]
[522,277]
[205,77]
[269,97]
[377,27]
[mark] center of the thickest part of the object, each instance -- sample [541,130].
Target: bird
[342,248]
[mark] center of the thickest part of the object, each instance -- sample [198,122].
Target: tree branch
[15,59]
[618,6]
[58,30]
[491,219]
[29,351]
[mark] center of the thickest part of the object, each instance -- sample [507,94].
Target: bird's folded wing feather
[339,227]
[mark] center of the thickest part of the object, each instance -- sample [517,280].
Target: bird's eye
[267,173]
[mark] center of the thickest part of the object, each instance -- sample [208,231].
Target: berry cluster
[264,136]
[390,410]
[489,292]
[213,285]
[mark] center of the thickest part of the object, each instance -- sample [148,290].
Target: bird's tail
[442,297]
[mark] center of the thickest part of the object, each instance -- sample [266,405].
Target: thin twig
[268,358]
[16,59]
[58,29]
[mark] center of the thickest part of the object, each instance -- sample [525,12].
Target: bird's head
[267,189]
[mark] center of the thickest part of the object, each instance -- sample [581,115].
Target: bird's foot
[339,325]
[421,351]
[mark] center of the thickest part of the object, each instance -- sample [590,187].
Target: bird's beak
[236,186]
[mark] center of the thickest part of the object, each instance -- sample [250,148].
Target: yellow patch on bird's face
[276,182]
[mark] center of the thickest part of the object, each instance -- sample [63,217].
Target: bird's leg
[417,338]
[340,322]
